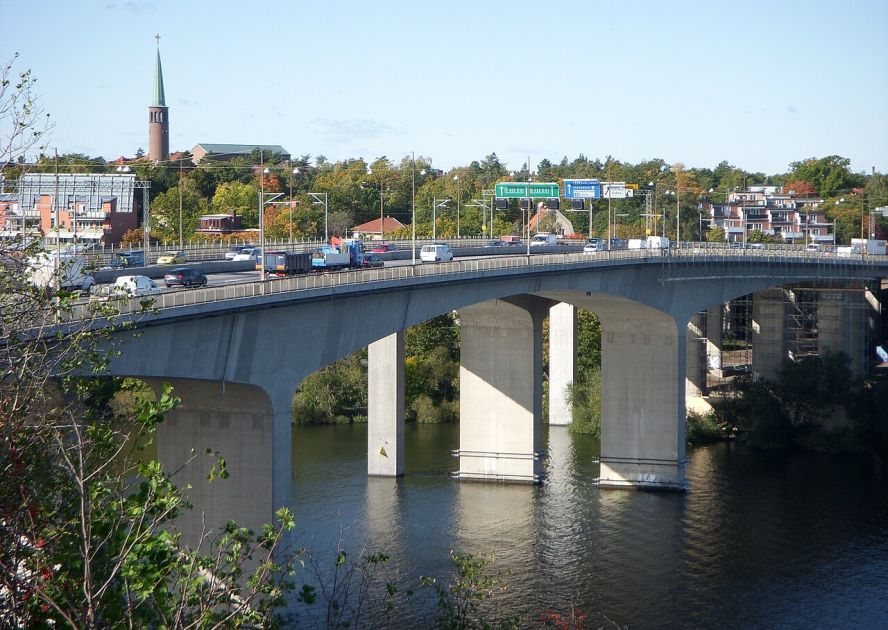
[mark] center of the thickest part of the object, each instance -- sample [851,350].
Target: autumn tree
[24,123]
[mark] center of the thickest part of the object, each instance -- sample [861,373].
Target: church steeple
[158,117]
[159,100]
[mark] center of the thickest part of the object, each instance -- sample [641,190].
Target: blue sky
[759,84]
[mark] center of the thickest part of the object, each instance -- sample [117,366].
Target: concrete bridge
[236,354]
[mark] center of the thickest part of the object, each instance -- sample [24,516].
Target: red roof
[372,227]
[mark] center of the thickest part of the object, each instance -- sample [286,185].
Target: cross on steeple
[157,38]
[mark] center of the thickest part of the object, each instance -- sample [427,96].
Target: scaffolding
[818,317]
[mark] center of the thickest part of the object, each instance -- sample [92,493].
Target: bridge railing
[332,280]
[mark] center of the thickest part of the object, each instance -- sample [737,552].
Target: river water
[761,539]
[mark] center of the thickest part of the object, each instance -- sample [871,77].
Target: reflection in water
[761,539]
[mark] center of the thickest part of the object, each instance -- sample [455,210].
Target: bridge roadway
[236,354]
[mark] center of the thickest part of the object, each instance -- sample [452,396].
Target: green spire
[159,100]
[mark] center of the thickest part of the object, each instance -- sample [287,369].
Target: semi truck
[340,254]
[287,263]
[68,269]
[870,246]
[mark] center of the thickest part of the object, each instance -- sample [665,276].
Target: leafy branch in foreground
[87,521]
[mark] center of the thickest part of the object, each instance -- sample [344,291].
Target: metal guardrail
[332,280]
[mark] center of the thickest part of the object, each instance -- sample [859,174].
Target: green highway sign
[524,190]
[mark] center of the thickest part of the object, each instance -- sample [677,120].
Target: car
[494,243]
[619,243]
[172,258]
[755,246]
[813,247]
[439,252]
[235,250]
[372,260]
[383,248]
[593,245]
[133,286]
[130,258]
[185,277]
[248,253]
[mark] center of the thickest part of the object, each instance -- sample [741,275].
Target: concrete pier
[385,406]
[562,361]
[237,421]
[842,325]
[768,332]
[695,349]
[500,389]
[714,327]
[642,399]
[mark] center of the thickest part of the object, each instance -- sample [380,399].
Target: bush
[702,429]
[585,401]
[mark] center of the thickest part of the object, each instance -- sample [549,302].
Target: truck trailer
[287,263]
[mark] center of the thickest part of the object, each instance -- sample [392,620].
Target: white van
[436,253]
[543,238]
[135,286]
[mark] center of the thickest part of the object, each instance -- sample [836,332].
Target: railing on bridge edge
[312,281]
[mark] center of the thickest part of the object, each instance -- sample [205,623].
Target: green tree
[85,519]
[238,199]
[831,175]
[165,212]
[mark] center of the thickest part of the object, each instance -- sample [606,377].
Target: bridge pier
[842,325]
[642,399]
[249,432]
[768,332]
[385,406]
[695,350]
[500,429]
[714,327]
[562,361]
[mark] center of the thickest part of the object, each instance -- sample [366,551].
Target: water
[761,539]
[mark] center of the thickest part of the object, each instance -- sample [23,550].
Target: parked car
[248,253]
[438,252]
[172,258]
[383,248]
[185,277]
[372,260]
[235,250]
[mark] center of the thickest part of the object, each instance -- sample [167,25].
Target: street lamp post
[458,196]
[290,205]
[413,207]
[437,203]
[262,172]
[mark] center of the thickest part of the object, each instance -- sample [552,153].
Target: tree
[165,212]
[25,124]
[800,188]
[716,235]
[831,175]
[85,521]
[238,199]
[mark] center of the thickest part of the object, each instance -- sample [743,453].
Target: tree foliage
[24,123]
[86,518]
